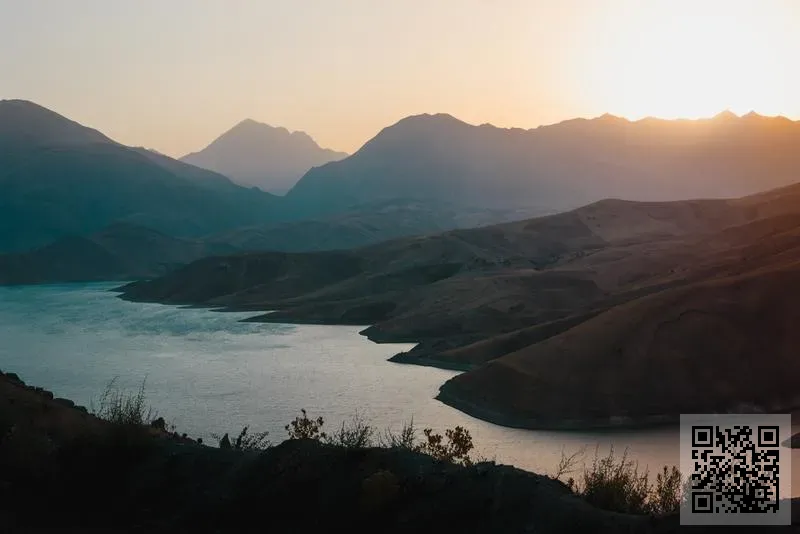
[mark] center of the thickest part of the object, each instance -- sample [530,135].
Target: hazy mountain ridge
[59,178]
[560,166]
[257,154]
[119,252]
[131,250]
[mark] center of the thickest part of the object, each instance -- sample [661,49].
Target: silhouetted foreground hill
[616,313]
[561,166]
[59,178]
[64,470]
[256,154]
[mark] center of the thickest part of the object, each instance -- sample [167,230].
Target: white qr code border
[736,469]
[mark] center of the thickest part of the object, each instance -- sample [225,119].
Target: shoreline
[567,425]
[419,356]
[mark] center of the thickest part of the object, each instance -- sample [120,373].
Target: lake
[206,372]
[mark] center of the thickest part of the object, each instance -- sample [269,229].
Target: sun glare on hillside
[693,59]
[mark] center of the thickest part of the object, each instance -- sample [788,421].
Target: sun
[691,59]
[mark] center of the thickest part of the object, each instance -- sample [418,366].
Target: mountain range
[61,179]
[256,154]
[560,166]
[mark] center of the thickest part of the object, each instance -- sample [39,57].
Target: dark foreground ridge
[62,469]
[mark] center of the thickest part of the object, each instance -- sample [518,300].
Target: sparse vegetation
[123,407]
[610,482]
[245,441]
[666,495]
[455,446]
[405,439]
[356,433]
[566,465]
[617,484]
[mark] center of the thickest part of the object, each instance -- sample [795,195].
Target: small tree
[456,449]
[304,428]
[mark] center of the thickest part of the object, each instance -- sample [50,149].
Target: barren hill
[614,313]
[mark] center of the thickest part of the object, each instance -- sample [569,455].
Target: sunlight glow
[693,59]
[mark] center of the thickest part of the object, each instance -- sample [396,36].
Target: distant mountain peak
[440,118]
[726,115]
[250,126]
[250,122]
[253,153]
[608,117]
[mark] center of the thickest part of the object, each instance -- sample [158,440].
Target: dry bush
[121,407]
[304,428]
[356,433]
[245,441]
[405,439]
[617,484]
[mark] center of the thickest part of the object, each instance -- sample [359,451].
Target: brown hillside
[568,309]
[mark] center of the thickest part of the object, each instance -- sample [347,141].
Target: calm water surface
[206,372]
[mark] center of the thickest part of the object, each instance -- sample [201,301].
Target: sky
[174,74]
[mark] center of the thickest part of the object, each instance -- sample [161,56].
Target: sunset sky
[174,74]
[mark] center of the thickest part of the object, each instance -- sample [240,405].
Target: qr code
[732,465]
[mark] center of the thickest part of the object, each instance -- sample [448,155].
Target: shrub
[456,449]
[617,485]
[356,433]
[566,465]
[123,408]
[668,492]
[405,439]
[245,441]
[304,428]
